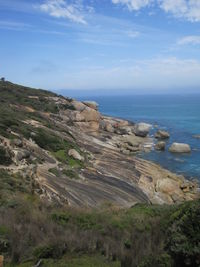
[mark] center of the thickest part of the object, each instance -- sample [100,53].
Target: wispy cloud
[189,40]
[133,34]
[186,9]
[61,9]
[19,26]
[14,25]
[133,4]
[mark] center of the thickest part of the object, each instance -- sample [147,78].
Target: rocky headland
[79,157]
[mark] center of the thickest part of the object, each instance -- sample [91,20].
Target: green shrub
[184,236]
[5,159]
[60,155]
[86,221]
[71,174]
[157,261]
[49,251]
[62,218]
[54,171]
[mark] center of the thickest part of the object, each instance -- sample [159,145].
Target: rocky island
[64,153]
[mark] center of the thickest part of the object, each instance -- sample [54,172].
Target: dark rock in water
[197,136]
[142,129]
[160,146]
[180,148]
[162,134]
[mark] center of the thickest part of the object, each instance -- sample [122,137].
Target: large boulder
[75,155]
[162,134]
[168,186]
[79,106]
[90,114]
[160,146]
[142,129]
[76,116]
[180,148]
[121,123]
[109,128]
[20,154]
[91,104]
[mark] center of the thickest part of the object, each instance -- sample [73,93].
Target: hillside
[72,188]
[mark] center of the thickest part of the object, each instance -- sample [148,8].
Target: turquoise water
[180,115]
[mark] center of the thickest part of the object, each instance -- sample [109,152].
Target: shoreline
[183,132]
[78,157]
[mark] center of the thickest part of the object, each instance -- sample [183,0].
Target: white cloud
[62,9]
[187,9]
[133,4]
[192,39]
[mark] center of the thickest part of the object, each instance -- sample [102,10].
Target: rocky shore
[106,152]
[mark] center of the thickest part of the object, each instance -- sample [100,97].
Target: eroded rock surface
[109,171]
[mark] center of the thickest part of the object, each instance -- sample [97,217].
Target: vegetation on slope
[32,229]
[143,236]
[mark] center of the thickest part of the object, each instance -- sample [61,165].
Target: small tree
[3,79]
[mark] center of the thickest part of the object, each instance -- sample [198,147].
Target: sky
[139,46]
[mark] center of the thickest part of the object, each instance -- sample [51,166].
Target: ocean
[178,114]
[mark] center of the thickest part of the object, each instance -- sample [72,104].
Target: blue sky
[131,45]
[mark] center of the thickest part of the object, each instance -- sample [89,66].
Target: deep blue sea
[180,115]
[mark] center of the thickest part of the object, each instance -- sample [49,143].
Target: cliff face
[78,157]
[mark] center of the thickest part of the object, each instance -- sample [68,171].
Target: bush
[61,218]
[157,261]
[50,251]
[184,236]
[5,159]
[55,171]
[71,174]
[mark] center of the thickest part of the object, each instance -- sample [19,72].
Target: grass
[73,261]
[71,174]
[54,171]
[61,155]
[9,185]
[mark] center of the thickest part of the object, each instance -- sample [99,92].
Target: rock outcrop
[91,104]
[75,155]
[180,148]
[142,129]
[160,134]
[160,146]
[105,165]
